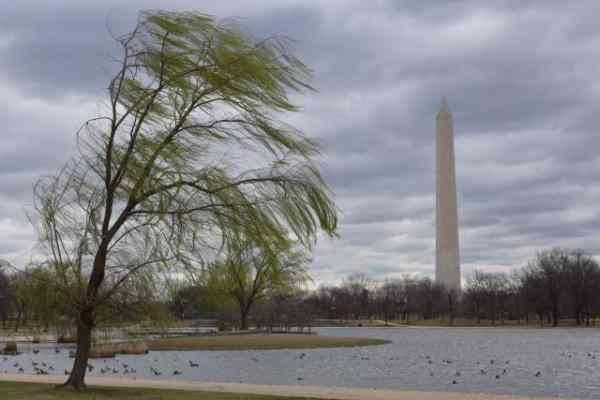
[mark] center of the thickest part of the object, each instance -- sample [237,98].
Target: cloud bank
[520,78]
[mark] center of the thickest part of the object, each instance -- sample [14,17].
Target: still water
[554,362]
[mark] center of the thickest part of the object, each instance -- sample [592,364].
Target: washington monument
[447,256]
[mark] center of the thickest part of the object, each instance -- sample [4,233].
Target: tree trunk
[244,311]
[243,318]
[84,343]
[86,320]
[18,321]
[450,309]
[578,313]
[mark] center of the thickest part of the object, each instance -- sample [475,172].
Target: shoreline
[315,392]
[34,337]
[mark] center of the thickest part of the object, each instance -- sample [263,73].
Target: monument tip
[444,105]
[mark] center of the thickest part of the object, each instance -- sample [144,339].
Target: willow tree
[247,274]
[189,153]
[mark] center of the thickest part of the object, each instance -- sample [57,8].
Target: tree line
[556,285]
[251,289]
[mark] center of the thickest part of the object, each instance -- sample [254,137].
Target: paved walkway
[317,392]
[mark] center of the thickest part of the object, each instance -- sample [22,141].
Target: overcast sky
[520,77]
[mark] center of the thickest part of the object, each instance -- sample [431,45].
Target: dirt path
[317,392]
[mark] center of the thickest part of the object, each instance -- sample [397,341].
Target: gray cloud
[520,77]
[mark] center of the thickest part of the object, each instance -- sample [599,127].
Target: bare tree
[545,277]
[390,299]
[360,290]
[5,296]
[189,156]
[581,275]
[475,294]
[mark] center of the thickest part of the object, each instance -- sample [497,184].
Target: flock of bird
[46,368]
[482,371]
[39,368]
[494,368]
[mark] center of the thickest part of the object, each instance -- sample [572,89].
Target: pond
[554,362]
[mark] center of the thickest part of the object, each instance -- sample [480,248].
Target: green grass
[258,342]
[31,391]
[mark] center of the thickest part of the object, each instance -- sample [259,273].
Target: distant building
[447,255]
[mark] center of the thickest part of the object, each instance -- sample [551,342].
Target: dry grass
[258,342]
[31,391]
[9,348]
[105,350]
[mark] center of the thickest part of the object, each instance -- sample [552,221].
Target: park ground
[36,391]
[32,387]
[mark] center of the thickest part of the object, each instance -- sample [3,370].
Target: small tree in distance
[248,274]
[189,156]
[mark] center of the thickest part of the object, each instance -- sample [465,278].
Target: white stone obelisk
[447,257]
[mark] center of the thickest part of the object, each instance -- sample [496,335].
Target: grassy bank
[32,391]
[258,342]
